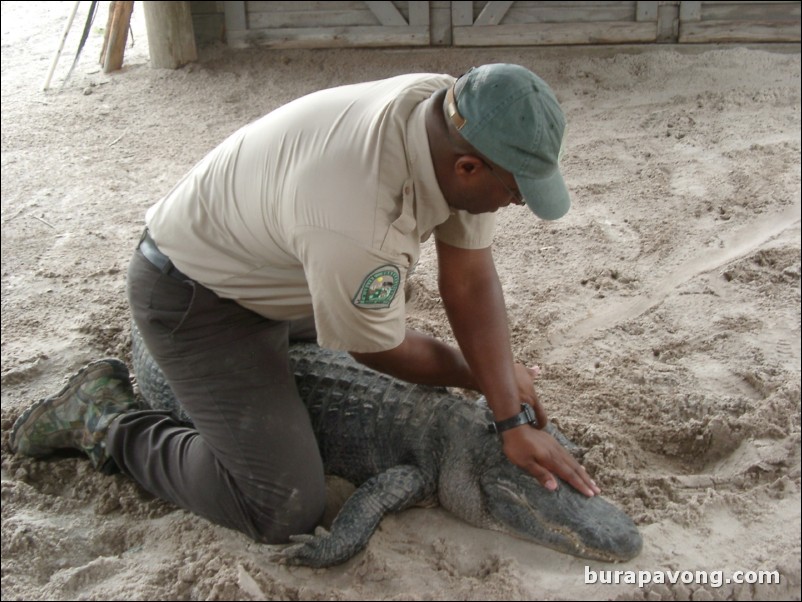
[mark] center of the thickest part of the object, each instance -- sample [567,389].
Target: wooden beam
[646,11]
[542,34]
[419,14]
[440,23]
[171,38]
[690,11]
[493,13]
[236,21]
[730,32]
[462,13]
[111,57]
[667,23]
[387,14]
[333,37]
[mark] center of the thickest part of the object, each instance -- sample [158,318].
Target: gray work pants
[251,462]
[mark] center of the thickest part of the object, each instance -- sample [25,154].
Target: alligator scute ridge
[404,445]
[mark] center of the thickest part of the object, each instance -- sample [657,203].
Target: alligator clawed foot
[315,550]
[307,537]
[293,554]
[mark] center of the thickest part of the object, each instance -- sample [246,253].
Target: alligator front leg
[391,491]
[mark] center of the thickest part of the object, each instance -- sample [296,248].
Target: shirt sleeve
[357,293]
[467,231]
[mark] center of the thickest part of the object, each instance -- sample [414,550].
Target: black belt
[151,252]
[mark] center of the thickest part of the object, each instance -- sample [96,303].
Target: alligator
[403,445]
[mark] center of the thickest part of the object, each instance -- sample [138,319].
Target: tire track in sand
[736,245]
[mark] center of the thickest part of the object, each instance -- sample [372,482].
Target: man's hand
[525,378]
[535,450]
[540,455]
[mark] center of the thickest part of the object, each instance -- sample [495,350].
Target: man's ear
[468,165]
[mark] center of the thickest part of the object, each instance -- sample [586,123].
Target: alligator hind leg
[394,490]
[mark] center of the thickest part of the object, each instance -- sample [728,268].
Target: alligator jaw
[565,520]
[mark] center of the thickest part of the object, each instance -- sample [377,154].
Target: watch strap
[526,416]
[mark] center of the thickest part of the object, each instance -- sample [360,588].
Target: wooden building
[328,24]
[176,28]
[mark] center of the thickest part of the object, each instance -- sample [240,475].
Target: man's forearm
[423,360]
[474,303]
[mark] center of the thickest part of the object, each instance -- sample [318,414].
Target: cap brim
[548,198]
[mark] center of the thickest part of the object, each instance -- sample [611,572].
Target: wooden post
[116,35]
[171,38]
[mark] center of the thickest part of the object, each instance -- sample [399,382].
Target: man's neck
[437,135]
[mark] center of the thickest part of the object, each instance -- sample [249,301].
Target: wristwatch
[527,416]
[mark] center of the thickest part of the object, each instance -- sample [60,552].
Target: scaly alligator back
[365,422]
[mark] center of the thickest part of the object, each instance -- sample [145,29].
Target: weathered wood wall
[494,23]
[739,22]
[553,23]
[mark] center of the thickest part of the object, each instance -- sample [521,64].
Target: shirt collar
[431,208]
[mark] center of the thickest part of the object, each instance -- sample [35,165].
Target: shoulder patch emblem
[378,289]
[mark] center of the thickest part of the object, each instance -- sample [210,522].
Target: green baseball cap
[511,116]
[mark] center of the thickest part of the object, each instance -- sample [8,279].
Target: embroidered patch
[378,289]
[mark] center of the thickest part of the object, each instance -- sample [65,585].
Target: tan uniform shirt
[319,208]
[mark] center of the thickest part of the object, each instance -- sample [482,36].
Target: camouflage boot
[79,416]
